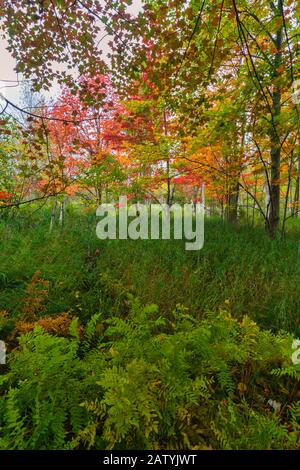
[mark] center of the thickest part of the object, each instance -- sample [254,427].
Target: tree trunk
[62,215]
[273,218]
[295,206]
[52,218]
[232,204]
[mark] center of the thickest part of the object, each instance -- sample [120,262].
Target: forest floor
[141,344]
[239,269]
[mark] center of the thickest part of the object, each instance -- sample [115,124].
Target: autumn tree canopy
[196,88]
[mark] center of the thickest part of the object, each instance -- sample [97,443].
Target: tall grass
[238,269]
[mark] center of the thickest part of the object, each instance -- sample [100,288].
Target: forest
[138,343]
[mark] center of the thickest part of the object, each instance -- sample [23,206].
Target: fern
[143,381]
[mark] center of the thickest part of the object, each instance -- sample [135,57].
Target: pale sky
[7,65]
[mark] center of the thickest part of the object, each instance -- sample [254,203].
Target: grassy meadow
[145,336]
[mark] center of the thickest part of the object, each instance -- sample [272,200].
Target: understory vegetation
[118,345]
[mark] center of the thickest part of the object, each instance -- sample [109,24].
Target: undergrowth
[143,345]
[150,383]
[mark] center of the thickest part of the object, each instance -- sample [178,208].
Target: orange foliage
[36,293]
[58,325]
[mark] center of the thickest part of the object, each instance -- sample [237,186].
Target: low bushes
[147,382]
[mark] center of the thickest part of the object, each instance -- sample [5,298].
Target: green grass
[192,372]
[239,269]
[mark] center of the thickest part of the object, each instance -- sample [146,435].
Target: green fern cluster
[148,382]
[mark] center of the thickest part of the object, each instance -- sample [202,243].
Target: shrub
[152,383]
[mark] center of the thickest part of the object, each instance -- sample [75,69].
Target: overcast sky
[7,66]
